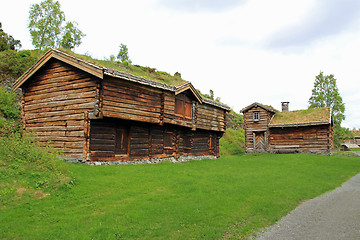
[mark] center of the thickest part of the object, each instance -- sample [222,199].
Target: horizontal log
[77,83]
[60,105]
[131,107]
[109,112]
[61,97]
[31,115]
[116,82]
[132,93]
[103,136]
[99,147]
[56,118]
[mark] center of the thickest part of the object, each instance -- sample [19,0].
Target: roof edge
[216,104]
[189,86]
[130,77]
[69,59]
[255,104]
[297,124]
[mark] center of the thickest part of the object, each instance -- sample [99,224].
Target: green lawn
[228,198]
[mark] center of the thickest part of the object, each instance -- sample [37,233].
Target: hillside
[26,167]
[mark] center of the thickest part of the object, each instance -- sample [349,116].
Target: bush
[10,121]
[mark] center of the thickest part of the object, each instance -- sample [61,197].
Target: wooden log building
[99,114]
[268,130]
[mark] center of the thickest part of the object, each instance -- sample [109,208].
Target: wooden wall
[61,103]
[147,141]
[250,126]
[126,100]
[310,139]
[53,104]
[212,118]
[130,101]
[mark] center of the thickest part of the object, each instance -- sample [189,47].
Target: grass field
[228,198]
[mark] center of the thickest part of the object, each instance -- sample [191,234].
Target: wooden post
[149,148]
[254,142]
[162,106]
[177,143]
[22,110]
[86,137]
[218,136]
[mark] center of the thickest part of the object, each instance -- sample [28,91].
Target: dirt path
[335,215]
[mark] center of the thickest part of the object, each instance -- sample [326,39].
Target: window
[121,140]
[183,107]
[256,116]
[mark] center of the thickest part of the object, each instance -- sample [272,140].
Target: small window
[256,116]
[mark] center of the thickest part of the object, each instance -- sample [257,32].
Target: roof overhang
[190,87]
[256,104]
[297,124]
[53,53]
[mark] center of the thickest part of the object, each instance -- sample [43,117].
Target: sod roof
[135,73]
[314,116]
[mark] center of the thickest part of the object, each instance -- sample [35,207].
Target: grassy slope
[226,198]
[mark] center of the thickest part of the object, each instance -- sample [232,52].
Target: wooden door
[259,142]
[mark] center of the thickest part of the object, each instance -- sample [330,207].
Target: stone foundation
[181,159]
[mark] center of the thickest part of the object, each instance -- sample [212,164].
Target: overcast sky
[244,50]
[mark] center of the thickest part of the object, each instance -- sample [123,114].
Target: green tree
[46,27]
[326,94]
[45,20]
[123,54]
[71,36]
[7,42]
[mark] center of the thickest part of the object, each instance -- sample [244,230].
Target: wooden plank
[108,112]
[60,97]
[56,118]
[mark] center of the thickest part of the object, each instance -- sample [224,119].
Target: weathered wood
[90,115]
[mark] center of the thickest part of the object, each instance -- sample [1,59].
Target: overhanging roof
[100,72]
[190,87]
[53,53]
[256,104]
[308,117]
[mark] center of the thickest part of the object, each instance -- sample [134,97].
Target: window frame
[256,116]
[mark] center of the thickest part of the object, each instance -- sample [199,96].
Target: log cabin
[268,130]
[98,114]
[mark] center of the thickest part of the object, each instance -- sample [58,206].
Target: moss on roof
[145,72]
[301,117]
[356,133]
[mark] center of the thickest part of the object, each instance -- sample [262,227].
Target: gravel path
[335,215]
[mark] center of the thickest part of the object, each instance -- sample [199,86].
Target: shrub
[9,113]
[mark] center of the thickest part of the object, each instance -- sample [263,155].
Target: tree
[46,27]
[71,36]
[45,21]
[123,54]
[7,42]
[326,94]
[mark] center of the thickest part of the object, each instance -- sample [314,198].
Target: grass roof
[302,117]
[355,132]
[140,71]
